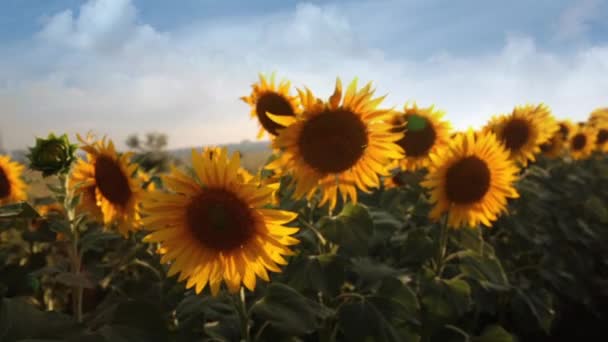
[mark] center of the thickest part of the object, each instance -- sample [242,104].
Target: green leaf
[324,273]
[97,240]
[597,208]
[18,210]
[486,269]
[397,301]
[351,229]
[540,304]
[371,271]
[385,224]
[286,310]
[494,333]
[418,247]
[20,320]
[444,300]
[362,321]
[132,321]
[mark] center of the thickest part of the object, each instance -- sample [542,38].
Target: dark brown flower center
[220,220]
[516,134]
[111,181]
[579,141]
[5,185]
[467,180]
[564,130]
[602,136]
[419,136]
[333,141]
[272,103]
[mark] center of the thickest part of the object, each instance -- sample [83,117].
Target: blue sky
[125,66]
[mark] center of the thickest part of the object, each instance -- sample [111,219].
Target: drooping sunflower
[12,187]
[425,132]
[601,140]
[107,186]
[524,130]
[267,97]
[339,145]
[471,180]
[582,142]
[214,227]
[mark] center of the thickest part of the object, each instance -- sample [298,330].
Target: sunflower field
[367,223]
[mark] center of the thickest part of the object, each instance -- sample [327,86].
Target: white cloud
[109,72]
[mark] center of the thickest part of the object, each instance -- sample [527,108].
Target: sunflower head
[424,132]
[267,97]
[524,130]
[108,186]
[52,155]
[338,145]
[554,147]
[601,140]
[582,142]
[471,180]
[598,117]
[12,187]
[214,227]
[566,127]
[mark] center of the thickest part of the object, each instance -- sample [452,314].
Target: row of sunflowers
[216,223]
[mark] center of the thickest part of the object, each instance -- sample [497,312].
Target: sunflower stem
[76,259]
[441,250]
[241,308]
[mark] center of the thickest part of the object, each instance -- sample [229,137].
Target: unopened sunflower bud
[52,155]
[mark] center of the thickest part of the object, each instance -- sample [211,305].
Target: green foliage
[368,272]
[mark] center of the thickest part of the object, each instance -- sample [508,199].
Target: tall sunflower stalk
[55,155]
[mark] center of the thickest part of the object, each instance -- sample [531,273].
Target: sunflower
[554,147]
[601,140]
[471,180]
[425,132]
[12,187]
[524,130]
[146,180]
[598,117]
[105,182]
[582,142]
[339,145]
[267,97]
[566,127]
[214,226]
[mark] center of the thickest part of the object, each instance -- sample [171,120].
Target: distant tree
[156,141]
[133,142]
[151,155]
